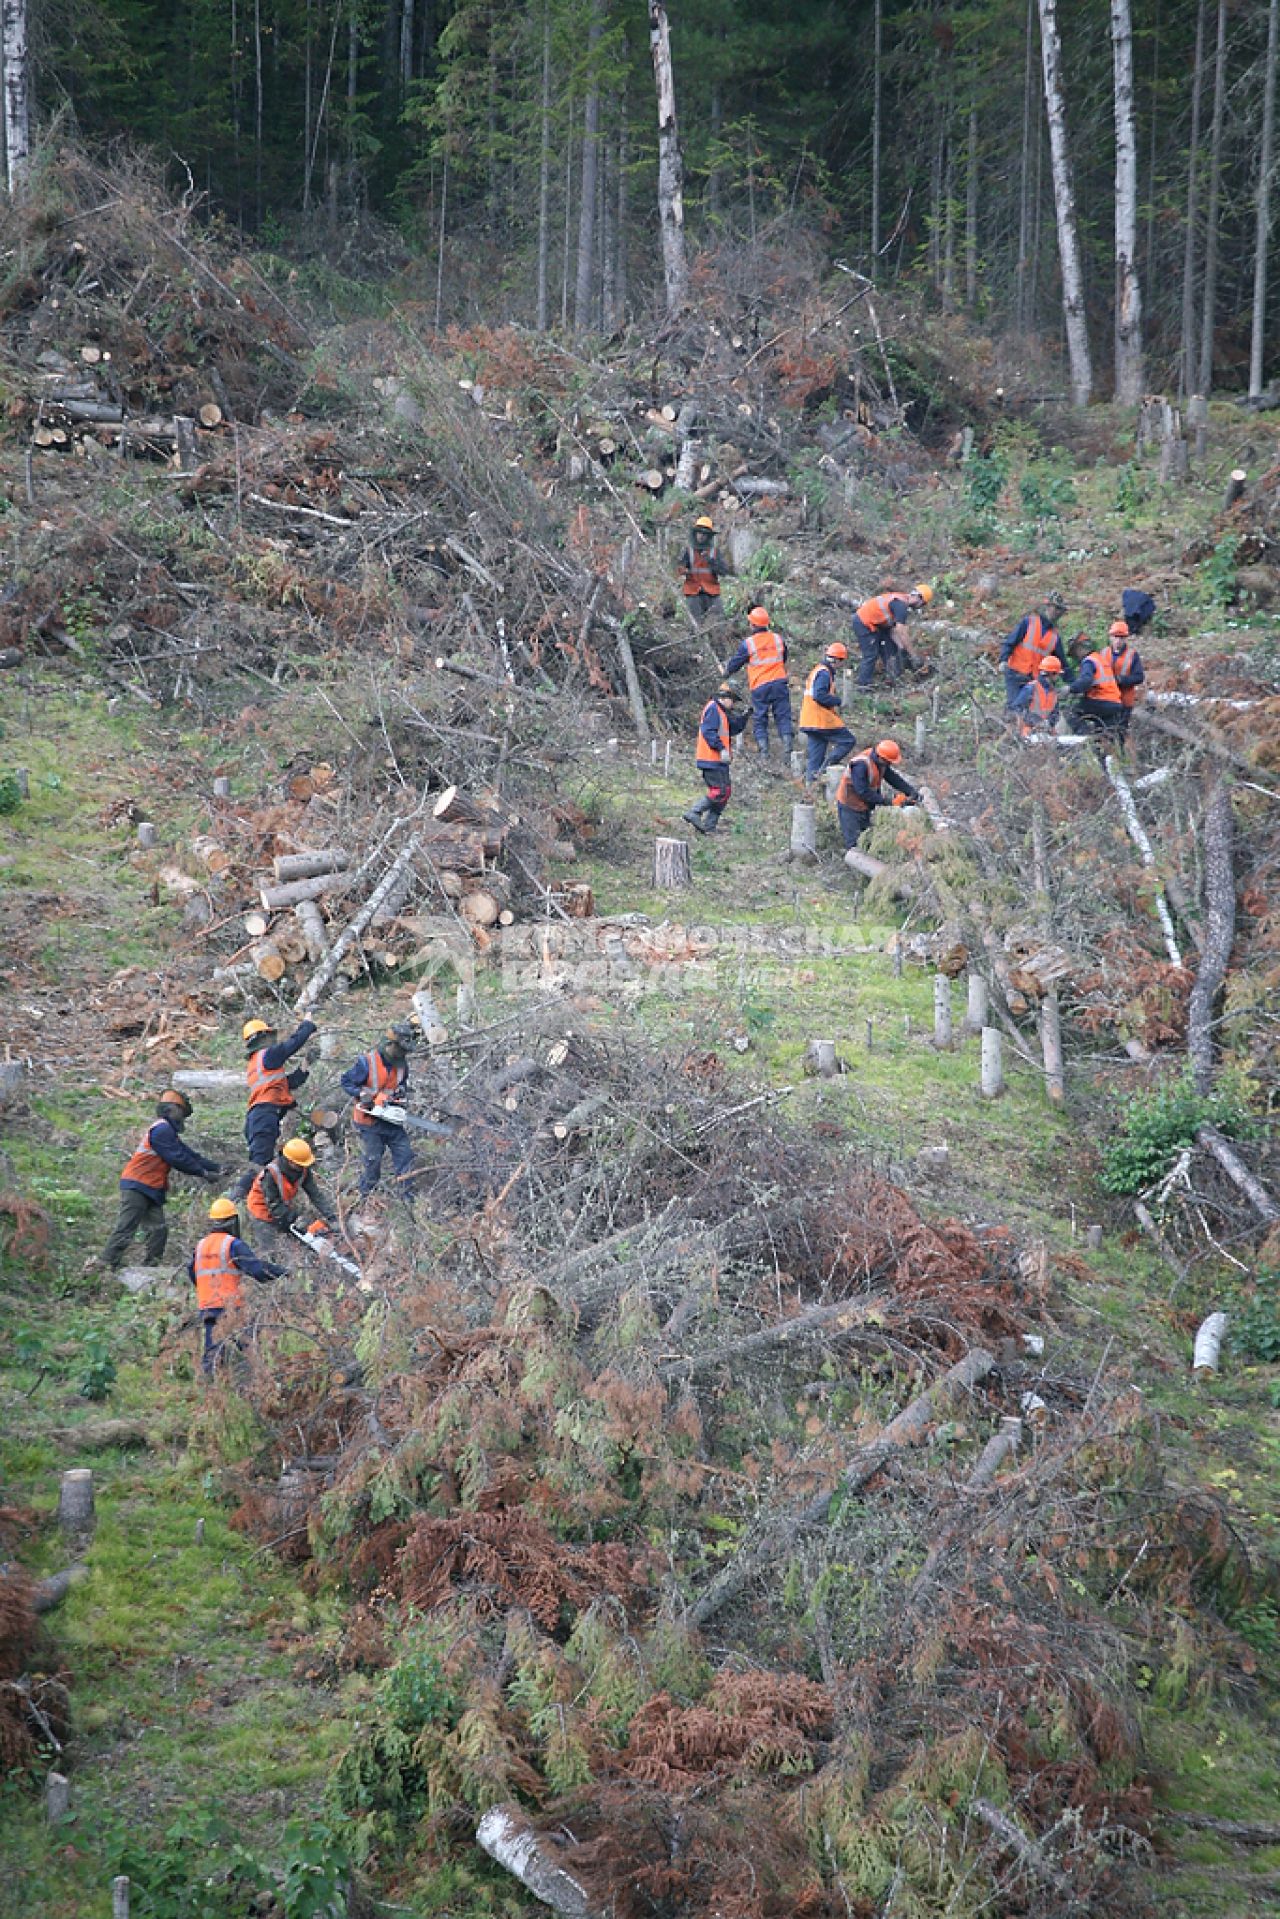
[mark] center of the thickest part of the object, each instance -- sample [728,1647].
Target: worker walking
[764,654]
[860,789]
[379,1078]
[218,1269]
[880,629]
[720,725]
[1107,684]
[1033,640]
[701,565]
[1137,610]
[271,1196]
[144,1180]
[828,740]
[1036,706]
[271,1089]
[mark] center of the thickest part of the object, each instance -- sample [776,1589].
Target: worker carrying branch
[1033,640]
[880,629]
[764,654]
[1107,684]
[1036,705]
[720,725]
[701,565]
[828,741]
[271,1196]
[378,1079]
[271,1089]
[144,1180]
[860,789]
[218,1268]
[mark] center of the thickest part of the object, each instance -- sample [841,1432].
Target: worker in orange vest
[764,654]
[828,740]
[271,1089]
[144,1180]
[880,628]
[1107,684]
[1033,640]
[861,789]
[1036,706]
[701,565]
[378,1078]
[718,727]
[217,1269]
[272,1194]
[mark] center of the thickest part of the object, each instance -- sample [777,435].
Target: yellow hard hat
[705,519]
[252,1027]
[298,1153]
[223,1208]
[926,593]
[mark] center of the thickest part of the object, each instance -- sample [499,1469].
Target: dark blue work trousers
[377,1138]
[829,748]
[262,1130]
[773,698]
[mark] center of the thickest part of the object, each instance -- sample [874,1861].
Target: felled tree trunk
[310,866]
[507,1836]
[1235,1169]
[1220,916]
[323,976]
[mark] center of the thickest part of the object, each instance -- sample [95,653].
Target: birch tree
[1262,232]
[1128,326]
[17,94]
[1064,200]
[675,264]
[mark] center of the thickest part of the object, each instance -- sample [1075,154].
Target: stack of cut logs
[79,404]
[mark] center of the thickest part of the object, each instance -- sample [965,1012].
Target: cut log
[96,1435]
[255,925]
[1138,834]
[804,833]
[821,1325]
[315,939]
[323,977]
[210,416]
[310,866]
[276,899]
[992,1063]
[1235,487]
[672,867]
[427,1018]
[993,1455]
[507,1836]
[269,962]
[1220,918]
[75,1502]
[1234,1167]
[457,808]
[479,908]
[216,1082]
[1243,1832]
[576,1119]
[975,1017]
[1208,1346]
[652,479]
[756,487]
[50,1592]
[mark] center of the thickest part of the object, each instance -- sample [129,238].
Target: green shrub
[1157,1127]
[98,1372]
[1255,1324]
[10,793]
[1219,571]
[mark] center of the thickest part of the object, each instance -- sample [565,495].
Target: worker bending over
[880,628]
[1107,684]
[1137,610]
[1036,705]
[218,1269]
[764,654]
[144,1180]
[1033,640]
[272,1194]
[828,740]
[859,791]
[719,726]
[380,1078]
[701,566]
[271,1089]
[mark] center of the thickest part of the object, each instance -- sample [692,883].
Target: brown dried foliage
[749,1721]
[511,1559]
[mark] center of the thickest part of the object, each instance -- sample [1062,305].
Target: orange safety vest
[268,1085]
[380,1079]
[766,658]
[1044,704]
[699,575]
[875,613]
[1034,648]
[1105,686]
[217,1278]
[257,1198]
[706,754]
[145,1165]
[845,795]
[815,718]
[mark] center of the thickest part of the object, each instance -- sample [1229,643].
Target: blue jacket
[1019,634]
[709,730]
[356,1077]
[245,1260]
[742,656]
[163,1139]
[274,1057]
[823,688]
[1021,703]
[1134,677]
[860,781]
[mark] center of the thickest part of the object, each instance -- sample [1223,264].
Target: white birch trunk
[675,265]
[1129,368]
[17,95]
[1263,226]
[1064,200]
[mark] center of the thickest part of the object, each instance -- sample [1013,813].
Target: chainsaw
[318,1243]
[399,1116]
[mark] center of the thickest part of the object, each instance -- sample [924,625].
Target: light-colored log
[1138,834]
[993,1455]
[507,1836]
[1051,1047]
[1234,1167]
[147,835]
[311,926]
[215,1082]
[255,925]
[276,899]
[992,1064]
[1031,1856]
[269,961]
[120,1897]
[210,416]
[480,908]
[672,867]
[427,1016]
[1208,1346]
[310,866]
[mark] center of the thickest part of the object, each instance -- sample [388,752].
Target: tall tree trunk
[876,92]
[935,196]
[444,214]
[1208,313]
[1064,200]
[17,95]
[491,124]
[675,265]
[568,219]
[717,135]
[608,232]
[257,110]
[235,109]
[1189,357]
[971,216]
[353,92]
[1021,305]
[1262,232]
[623,158]
[1129,368]
[949,231]
[406,45]
[307,82]
[544,171]
[589,184]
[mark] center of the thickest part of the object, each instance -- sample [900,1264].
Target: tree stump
[75,1502]
[942,1012]
[975,1017]
[992,1063]
[1235,487]
[922,736]
[832,778]
[824,1058]
[804,833]
[222,787]
[1208,1348]
[147,835]
[57,1798]
[120,1897]
[672,867]
[1093,1237]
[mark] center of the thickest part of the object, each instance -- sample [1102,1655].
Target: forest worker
[1036,706]
[717,729]
[701,565]
[828,740]
[880,628]
[271,1089]
[1107,684]
[144,1180]
[272,1194]
[860,789]
[1137,610]
[1034,639]
[378,1078]
[217,1269]
[764,654]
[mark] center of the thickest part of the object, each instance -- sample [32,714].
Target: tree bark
[1235,1169]
[820,1324]
[1073,308]
[275,899]
[620,264]
[1129,375]
[506,1834]
[1029,119]
[804,832]
[1262,231]
[1220,921]
[1190,358]
[1138,834]
[672,871]
[876,122]
[17,95]
[675,266]
[544,171]
[75,1501]
[310,866]
[1209,308]
[589,187]
[324,973]
[971,217]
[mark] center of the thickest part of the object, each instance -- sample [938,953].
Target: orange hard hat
[1052,665]
[888,750]
[705,520]
[757,617]
[926,593]
[1119,631]
[298,1153]
[838,651]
